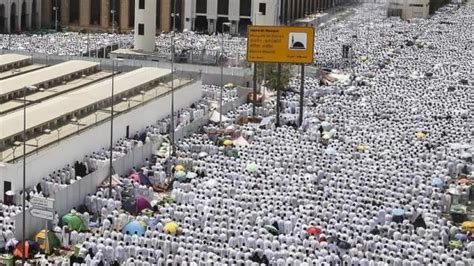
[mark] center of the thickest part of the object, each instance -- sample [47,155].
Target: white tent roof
[215,115]
[240,141]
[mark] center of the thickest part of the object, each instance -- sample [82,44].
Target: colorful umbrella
[228,142]
[53,241]
[455,244]
[326,135]
[179,167]
[73,222]
[134,228]
[460,237]
[135,177]
[171,228]
[437,182]
[180,176]
[271,229]
[232,153]
[141,178]
[142,204]
[31,248]
[313,231]
[136,205]
[468,226]
[421,135]
[252,167]
[459,208]
[361,147]
[229,85]
[398,212]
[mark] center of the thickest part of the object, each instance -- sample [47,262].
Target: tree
[269,72]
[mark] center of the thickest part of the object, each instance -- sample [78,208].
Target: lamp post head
[31,88]
[17,143]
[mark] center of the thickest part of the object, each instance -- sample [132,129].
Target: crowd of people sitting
[79,44]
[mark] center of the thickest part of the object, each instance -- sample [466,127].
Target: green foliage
[269,72]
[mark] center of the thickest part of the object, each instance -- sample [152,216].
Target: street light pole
[111,168]
[222,76]
[55,8]
[113,16]
[10,29]
[172,129]
[23,204]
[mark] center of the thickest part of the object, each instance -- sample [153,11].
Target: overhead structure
[76,103]
[44,78]
[11,61]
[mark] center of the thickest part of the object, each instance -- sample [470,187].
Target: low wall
[75,194]
[94,138]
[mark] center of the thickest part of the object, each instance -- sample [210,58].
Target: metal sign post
[300,120]
[279,44]
[43,208]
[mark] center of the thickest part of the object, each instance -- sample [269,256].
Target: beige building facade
[103,15]
[408,9]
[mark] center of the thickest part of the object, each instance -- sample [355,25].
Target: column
[7,18]
[124,11]
[18,18]
[29,14]
[38,15]
[235,26]
[65,5]
[189,7]
[165,15]
[104,13]
[84,13]
[46,12]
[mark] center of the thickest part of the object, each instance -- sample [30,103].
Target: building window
[245,8]
[223,7]
[141,29]
[141,4]
[416,5]
[201,6]
[262,8]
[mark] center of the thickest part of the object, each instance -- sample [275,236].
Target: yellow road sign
[280,44]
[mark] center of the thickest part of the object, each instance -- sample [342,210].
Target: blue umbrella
[398,212]
[144,180]
[460,237]
[134,228]
[437,182]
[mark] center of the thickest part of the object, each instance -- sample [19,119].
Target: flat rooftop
[8,59]
[68,103]
[34,78]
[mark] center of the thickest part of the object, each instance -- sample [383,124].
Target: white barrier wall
[95,138]
[75,194]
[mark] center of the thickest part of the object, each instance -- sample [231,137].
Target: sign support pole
[278,96]
[254,97]
[47,250]
[301,96]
